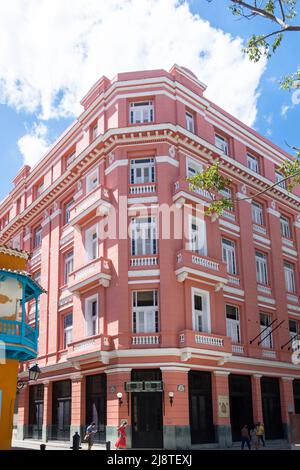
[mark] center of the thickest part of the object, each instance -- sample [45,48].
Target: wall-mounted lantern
[120,396]
[171,398]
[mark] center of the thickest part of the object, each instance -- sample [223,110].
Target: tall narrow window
[190,121]
[39,189]
[289,275]
[142,171]
[91,243]
[233,323]
[70,158]
[294,332]
[279,178]
[222,144]
[197,235]
[285,227]
[228,255]
[145,311]
[67,211]
[253,163]
[141,112]
[37,237]
[261,268]
[201,314]
[193,168]
[95,131]
[92,180]
[68,266]
[257,213]
[91,316]
[143,238]
[265,328]
[68,330]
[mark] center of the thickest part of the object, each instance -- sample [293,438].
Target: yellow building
[18,338]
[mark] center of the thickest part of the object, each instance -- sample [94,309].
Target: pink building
[190,335]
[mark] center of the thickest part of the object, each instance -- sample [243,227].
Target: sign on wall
[223,406]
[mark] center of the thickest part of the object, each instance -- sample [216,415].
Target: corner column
[221,409]
[23,413]
[256,399]
[117,411]
[47,417]
[287,404]
[77,405]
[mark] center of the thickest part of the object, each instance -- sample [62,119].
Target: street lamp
[33,374]
[120,396]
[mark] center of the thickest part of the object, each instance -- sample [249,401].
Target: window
[141,112]
[197,235]
[68,266]
[37,277]
[70,158]
[289,275]
[142,171]
[68,330]
[201,314]
[265,329]
[92,180]
[285,227]
[193,168]
[294,331]
[39,189]
[67,211]
[257,213]
[143,236]
[95,131]
[228,255]
[91,316]
[16,243]
[37,237]
[227,193]
[222,144]
[233,323]
[91,243]
[261,268]
[253,163]
[145,312]
[278,179]
[190,121]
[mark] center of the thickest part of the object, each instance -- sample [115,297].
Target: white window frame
[68,331]
[229,255]
[146,168]
[67,212]
[289,277]
[70,158]
[68,265]
[278,177]
[196,244]
[190,121]
[261,262]
[95,132]
[92,180]
[141,243]
[222,144]
[37,237]
[91,323]
[146,317]
[257,213]
[205,315]
[267,342]
[233,326]
[285,227]
[92,243]
[294,333]
[253,163]
[141,112]
[193,167]
[39,189]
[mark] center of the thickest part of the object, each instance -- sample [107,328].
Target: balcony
[210,344]
[145,339]
[192,264]
[96,272]
[182,190]
[142,189]
[20,339]
[95,202]
[142,262]
[91,348]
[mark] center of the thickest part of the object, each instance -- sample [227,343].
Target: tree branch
[262,12]
[282,10]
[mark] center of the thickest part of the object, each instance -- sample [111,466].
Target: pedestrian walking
[89,435]
[121,442]
[260,431]
[245,437]
[254,440]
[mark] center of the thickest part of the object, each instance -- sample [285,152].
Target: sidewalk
[30,444]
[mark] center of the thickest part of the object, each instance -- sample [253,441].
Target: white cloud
[34,144]
[295,100]
[52,52]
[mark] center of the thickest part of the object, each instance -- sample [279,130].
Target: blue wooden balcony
[18,339]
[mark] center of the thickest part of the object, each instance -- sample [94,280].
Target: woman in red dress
[121,442]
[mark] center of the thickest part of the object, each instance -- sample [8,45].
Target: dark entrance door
[201,411]
[271,408]
[96,404]
[36,411]
[241,411]
[296,386]
[61,417]
[147,413]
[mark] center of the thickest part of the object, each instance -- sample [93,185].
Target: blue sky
[56,56]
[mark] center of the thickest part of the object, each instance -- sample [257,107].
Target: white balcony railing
[264,289]
[209,340]
[269,354]
[148,261]
[144,189]
[148,339]
[205,262]
[292,297]
[237,348]
[234,280]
